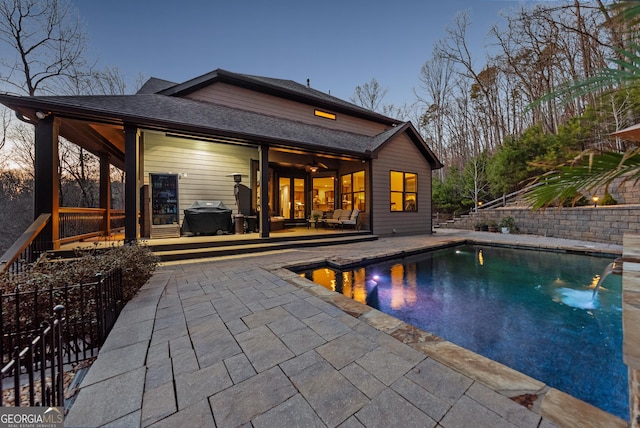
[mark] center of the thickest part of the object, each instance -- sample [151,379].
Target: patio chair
[334,220]
[351,221]
[338,216]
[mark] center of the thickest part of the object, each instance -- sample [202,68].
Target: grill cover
[207,217]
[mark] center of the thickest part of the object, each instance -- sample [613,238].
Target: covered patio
[274,151]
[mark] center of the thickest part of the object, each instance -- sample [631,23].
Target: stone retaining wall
[599,224]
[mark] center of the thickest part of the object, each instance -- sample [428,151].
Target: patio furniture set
[339,218]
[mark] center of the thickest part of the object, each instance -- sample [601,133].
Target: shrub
[510,223]
[608,200]
[136,261]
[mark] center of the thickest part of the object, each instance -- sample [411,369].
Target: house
[258,144]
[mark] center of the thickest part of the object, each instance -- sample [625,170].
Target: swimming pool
[533,311]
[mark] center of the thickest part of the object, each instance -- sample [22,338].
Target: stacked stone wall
[624,192]
[598,224]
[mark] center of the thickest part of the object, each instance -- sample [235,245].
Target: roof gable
[155,85]
[279,87]
[385,138]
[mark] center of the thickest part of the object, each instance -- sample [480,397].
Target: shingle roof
[173,113]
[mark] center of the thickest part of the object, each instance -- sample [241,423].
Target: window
[323,193]
[352,191]
[404,191]
[324,114]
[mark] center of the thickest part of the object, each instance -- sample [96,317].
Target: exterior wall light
[595,201]
[41,115]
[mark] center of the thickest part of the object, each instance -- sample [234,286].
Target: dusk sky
[337,44]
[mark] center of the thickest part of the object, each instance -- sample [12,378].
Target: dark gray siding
[400,154]
[245,99]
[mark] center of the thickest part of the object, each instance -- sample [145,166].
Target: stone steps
[166,255]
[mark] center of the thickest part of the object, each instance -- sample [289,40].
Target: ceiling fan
[315,166]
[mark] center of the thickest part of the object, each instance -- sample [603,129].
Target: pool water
[533,311]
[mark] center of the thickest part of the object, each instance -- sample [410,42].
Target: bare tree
[48,43]
[108,81]
[369,95]
[5,121]
[434,94]
[403,112]
[455,48]
[22,150]
[16,205]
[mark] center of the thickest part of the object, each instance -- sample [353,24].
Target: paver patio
[238,340]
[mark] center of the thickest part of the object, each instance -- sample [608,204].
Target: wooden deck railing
[75,224]
[27,248]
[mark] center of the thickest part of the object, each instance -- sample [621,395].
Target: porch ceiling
[96,138]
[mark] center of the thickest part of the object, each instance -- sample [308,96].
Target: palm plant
[590,170]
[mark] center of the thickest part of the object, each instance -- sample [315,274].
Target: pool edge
[550,404]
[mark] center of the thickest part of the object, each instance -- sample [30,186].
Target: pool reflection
[399,284]
[350,283]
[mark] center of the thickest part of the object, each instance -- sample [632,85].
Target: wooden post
[47,178]
[131,194]
[105,192]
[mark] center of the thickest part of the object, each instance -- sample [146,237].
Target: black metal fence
[91,311]
[42,354]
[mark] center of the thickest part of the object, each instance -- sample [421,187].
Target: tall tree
[435,91]
[48,44]
[455,48]
[369,95]
[44,47]
[593,170]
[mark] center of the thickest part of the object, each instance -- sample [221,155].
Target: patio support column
[105,192]
[264,191]
[131,194]
[47,177]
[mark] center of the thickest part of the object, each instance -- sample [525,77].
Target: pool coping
[552,404]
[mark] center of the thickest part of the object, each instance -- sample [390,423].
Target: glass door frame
[292,175]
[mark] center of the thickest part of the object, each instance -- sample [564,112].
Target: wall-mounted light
[41,115]
[595,201]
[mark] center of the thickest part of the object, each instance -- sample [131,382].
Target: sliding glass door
[291,192]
